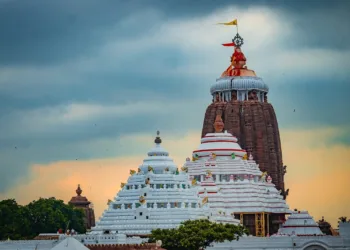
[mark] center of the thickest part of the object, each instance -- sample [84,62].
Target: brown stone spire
[255,125]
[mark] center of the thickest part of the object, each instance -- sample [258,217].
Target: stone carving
[142,199]
[284,169]
[218,124]
[184,169]
[284,193]
[209,174]
[263,176]
[255,125]
[217,97]
[234,95]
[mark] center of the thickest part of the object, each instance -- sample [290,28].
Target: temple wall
[290,243]
[124,247]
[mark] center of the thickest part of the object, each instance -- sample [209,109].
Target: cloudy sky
[85,84]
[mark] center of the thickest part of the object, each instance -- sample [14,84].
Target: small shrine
[80,201]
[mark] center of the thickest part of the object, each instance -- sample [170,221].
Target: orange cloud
[317,173]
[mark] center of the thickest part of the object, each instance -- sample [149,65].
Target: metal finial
[238,40]
[158,140]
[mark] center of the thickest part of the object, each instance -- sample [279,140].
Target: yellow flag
[234,22]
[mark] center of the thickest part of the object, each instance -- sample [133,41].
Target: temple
[158,195]
[232,181]
[241,96]
[300,223]
[236,176]
[83,203]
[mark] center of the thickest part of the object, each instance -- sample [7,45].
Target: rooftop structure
[82,202]
[241,97]
[158,195]
[300,223]
[231,181]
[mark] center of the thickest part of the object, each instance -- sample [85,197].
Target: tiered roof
[300,223]
[157,196]
[232,181]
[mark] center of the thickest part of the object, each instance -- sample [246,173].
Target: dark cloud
[316,101]
[49,32]
[47,39]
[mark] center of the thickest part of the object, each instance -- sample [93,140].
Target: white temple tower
[156,196]
[231,182]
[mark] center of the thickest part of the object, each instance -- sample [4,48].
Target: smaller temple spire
[78,191]
[158,140]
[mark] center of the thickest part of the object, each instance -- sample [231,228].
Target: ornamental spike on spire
[158,140]
[238,59]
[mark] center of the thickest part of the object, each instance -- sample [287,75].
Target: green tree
[196,234]
[41,216]
[13,220]
[48,215]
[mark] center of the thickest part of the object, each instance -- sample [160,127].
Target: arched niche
[315,247]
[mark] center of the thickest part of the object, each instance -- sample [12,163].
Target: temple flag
[234,22]
[228,44]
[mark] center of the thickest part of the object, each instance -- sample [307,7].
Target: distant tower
[241,97]
[82,202]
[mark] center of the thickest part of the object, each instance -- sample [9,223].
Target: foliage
[41,216]
[196,234]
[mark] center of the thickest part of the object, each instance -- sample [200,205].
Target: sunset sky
[85,85]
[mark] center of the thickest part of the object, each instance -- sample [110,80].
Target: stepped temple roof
[300,223]
[155,196]
[241,186]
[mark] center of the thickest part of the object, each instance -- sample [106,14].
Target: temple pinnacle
[158,140]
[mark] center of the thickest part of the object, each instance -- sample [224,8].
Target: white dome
[158,158]
[222,144]
[239,83]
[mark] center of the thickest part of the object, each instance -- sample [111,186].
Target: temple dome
[221,144]
[239,83]
[158,158]
[300,223]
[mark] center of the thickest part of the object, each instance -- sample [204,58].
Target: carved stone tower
[241,97]
[82,202]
